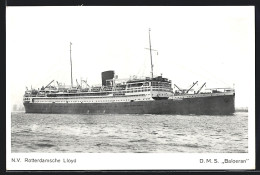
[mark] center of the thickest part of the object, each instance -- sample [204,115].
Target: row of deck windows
[145,90]
[43,101]
[95,97]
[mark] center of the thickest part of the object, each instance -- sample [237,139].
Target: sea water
[117,133]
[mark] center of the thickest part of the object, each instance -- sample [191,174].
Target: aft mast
[71,67]
[150,48]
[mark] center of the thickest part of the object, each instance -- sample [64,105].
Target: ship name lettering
[235,161]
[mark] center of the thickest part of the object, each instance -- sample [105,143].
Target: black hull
[212,105]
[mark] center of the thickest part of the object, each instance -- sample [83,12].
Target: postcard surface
[130,88]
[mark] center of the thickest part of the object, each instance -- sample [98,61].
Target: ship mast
[71,67]
[150,48]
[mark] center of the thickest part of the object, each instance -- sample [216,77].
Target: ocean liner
[147,95]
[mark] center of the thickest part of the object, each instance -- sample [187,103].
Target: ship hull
[212,105]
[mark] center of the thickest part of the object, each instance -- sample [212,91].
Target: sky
[205,44]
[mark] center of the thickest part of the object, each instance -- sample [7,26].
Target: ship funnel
[107,75]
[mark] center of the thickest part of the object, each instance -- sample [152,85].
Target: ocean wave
[44,145]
